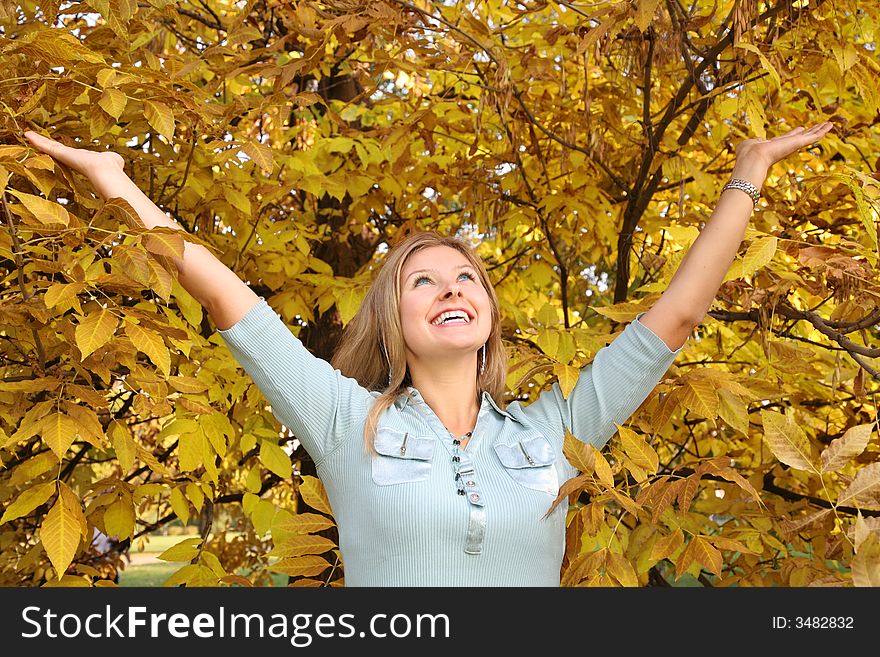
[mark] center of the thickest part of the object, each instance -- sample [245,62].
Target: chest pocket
[402,457]
[530,462]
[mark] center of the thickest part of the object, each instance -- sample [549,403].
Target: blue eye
[466,274]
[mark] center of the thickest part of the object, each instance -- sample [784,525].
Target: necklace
[456,458]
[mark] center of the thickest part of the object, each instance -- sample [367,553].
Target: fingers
[42,143]
[806,135]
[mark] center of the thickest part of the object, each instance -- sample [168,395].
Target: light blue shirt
[401,519]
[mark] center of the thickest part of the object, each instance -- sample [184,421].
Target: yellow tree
[581,146]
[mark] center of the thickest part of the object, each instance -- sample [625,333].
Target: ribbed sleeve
[316,402]
[609,389]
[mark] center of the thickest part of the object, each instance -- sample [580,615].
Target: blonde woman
[432,479]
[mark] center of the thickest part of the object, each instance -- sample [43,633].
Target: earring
[483,364]
[389,378]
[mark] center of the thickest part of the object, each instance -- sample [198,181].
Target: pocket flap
[403,445]
[532,452]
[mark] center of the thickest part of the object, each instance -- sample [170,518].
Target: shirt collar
[403,399]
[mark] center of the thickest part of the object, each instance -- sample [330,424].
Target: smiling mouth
[452,318]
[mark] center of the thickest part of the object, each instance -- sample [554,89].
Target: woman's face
[438,280]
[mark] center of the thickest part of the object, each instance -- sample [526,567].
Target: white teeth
[452,313]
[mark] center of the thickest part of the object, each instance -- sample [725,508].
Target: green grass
[158,544]
[148,575]
[154,574]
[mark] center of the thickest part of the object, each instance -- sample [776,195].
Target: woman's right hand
[89,163]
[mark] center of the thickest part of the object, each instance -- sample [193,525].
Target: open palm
[766,152]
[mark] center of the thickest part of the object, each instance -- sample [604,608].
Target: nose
[452,290]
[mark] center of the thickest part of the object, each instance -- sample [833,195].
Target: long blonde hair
[372,345]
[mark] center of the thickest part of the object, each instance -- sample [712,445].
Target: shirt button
[475,497]
[469,482]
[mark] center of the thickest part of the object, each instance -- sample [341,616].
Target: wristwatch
[743,186]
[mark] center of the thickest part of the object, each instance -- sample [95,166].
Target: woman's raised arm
[221,292]
[695,284]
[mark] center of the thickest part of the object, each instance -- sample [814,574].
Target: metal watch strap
[743,186]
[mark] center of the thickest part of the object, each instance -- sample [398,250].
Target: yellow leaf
[603,470]
[621,569]
[189,384]
[70,581]
[260,154]
[188,574]
[684,561]
[706,555]
[213,563]
[151,461]
[60,534]
[687,491]
[217,427]
[866,563]
[661,500]
[792,527]
[765,63]
[578,453]
[724,543]
[163,241]
[313,493]
[119,519]
[348,301]
[733,411]
[28,501]
[286,523]
[95,331]
[700,396]
[253,483]
[308,565]
[864,489]
[160,280]
[58,47]
[33,468]
[622,312]
[842,450]
[61,292]
[787,440]
[88,426]
[625,501]
[123,444]
[567,377]
[645,13]
[179,504]
[120,209]
[635,447]
[113,102]
[275,459]
[186,550]
[667,545]
[45,211]
[149,343]
[74,505]
[12,153]
[262,515]
[160,117]
[548,341]
[190,452]
[296,545]
[195,495]
[759,254]
[59,431]
[191,309]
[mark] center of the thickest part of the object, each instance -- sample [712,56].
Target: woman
[433,481]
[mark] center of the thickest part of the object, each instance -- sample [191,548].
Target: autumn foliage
[580,145]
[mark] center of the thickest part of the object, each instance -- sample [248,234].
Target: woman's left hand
[754,157]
